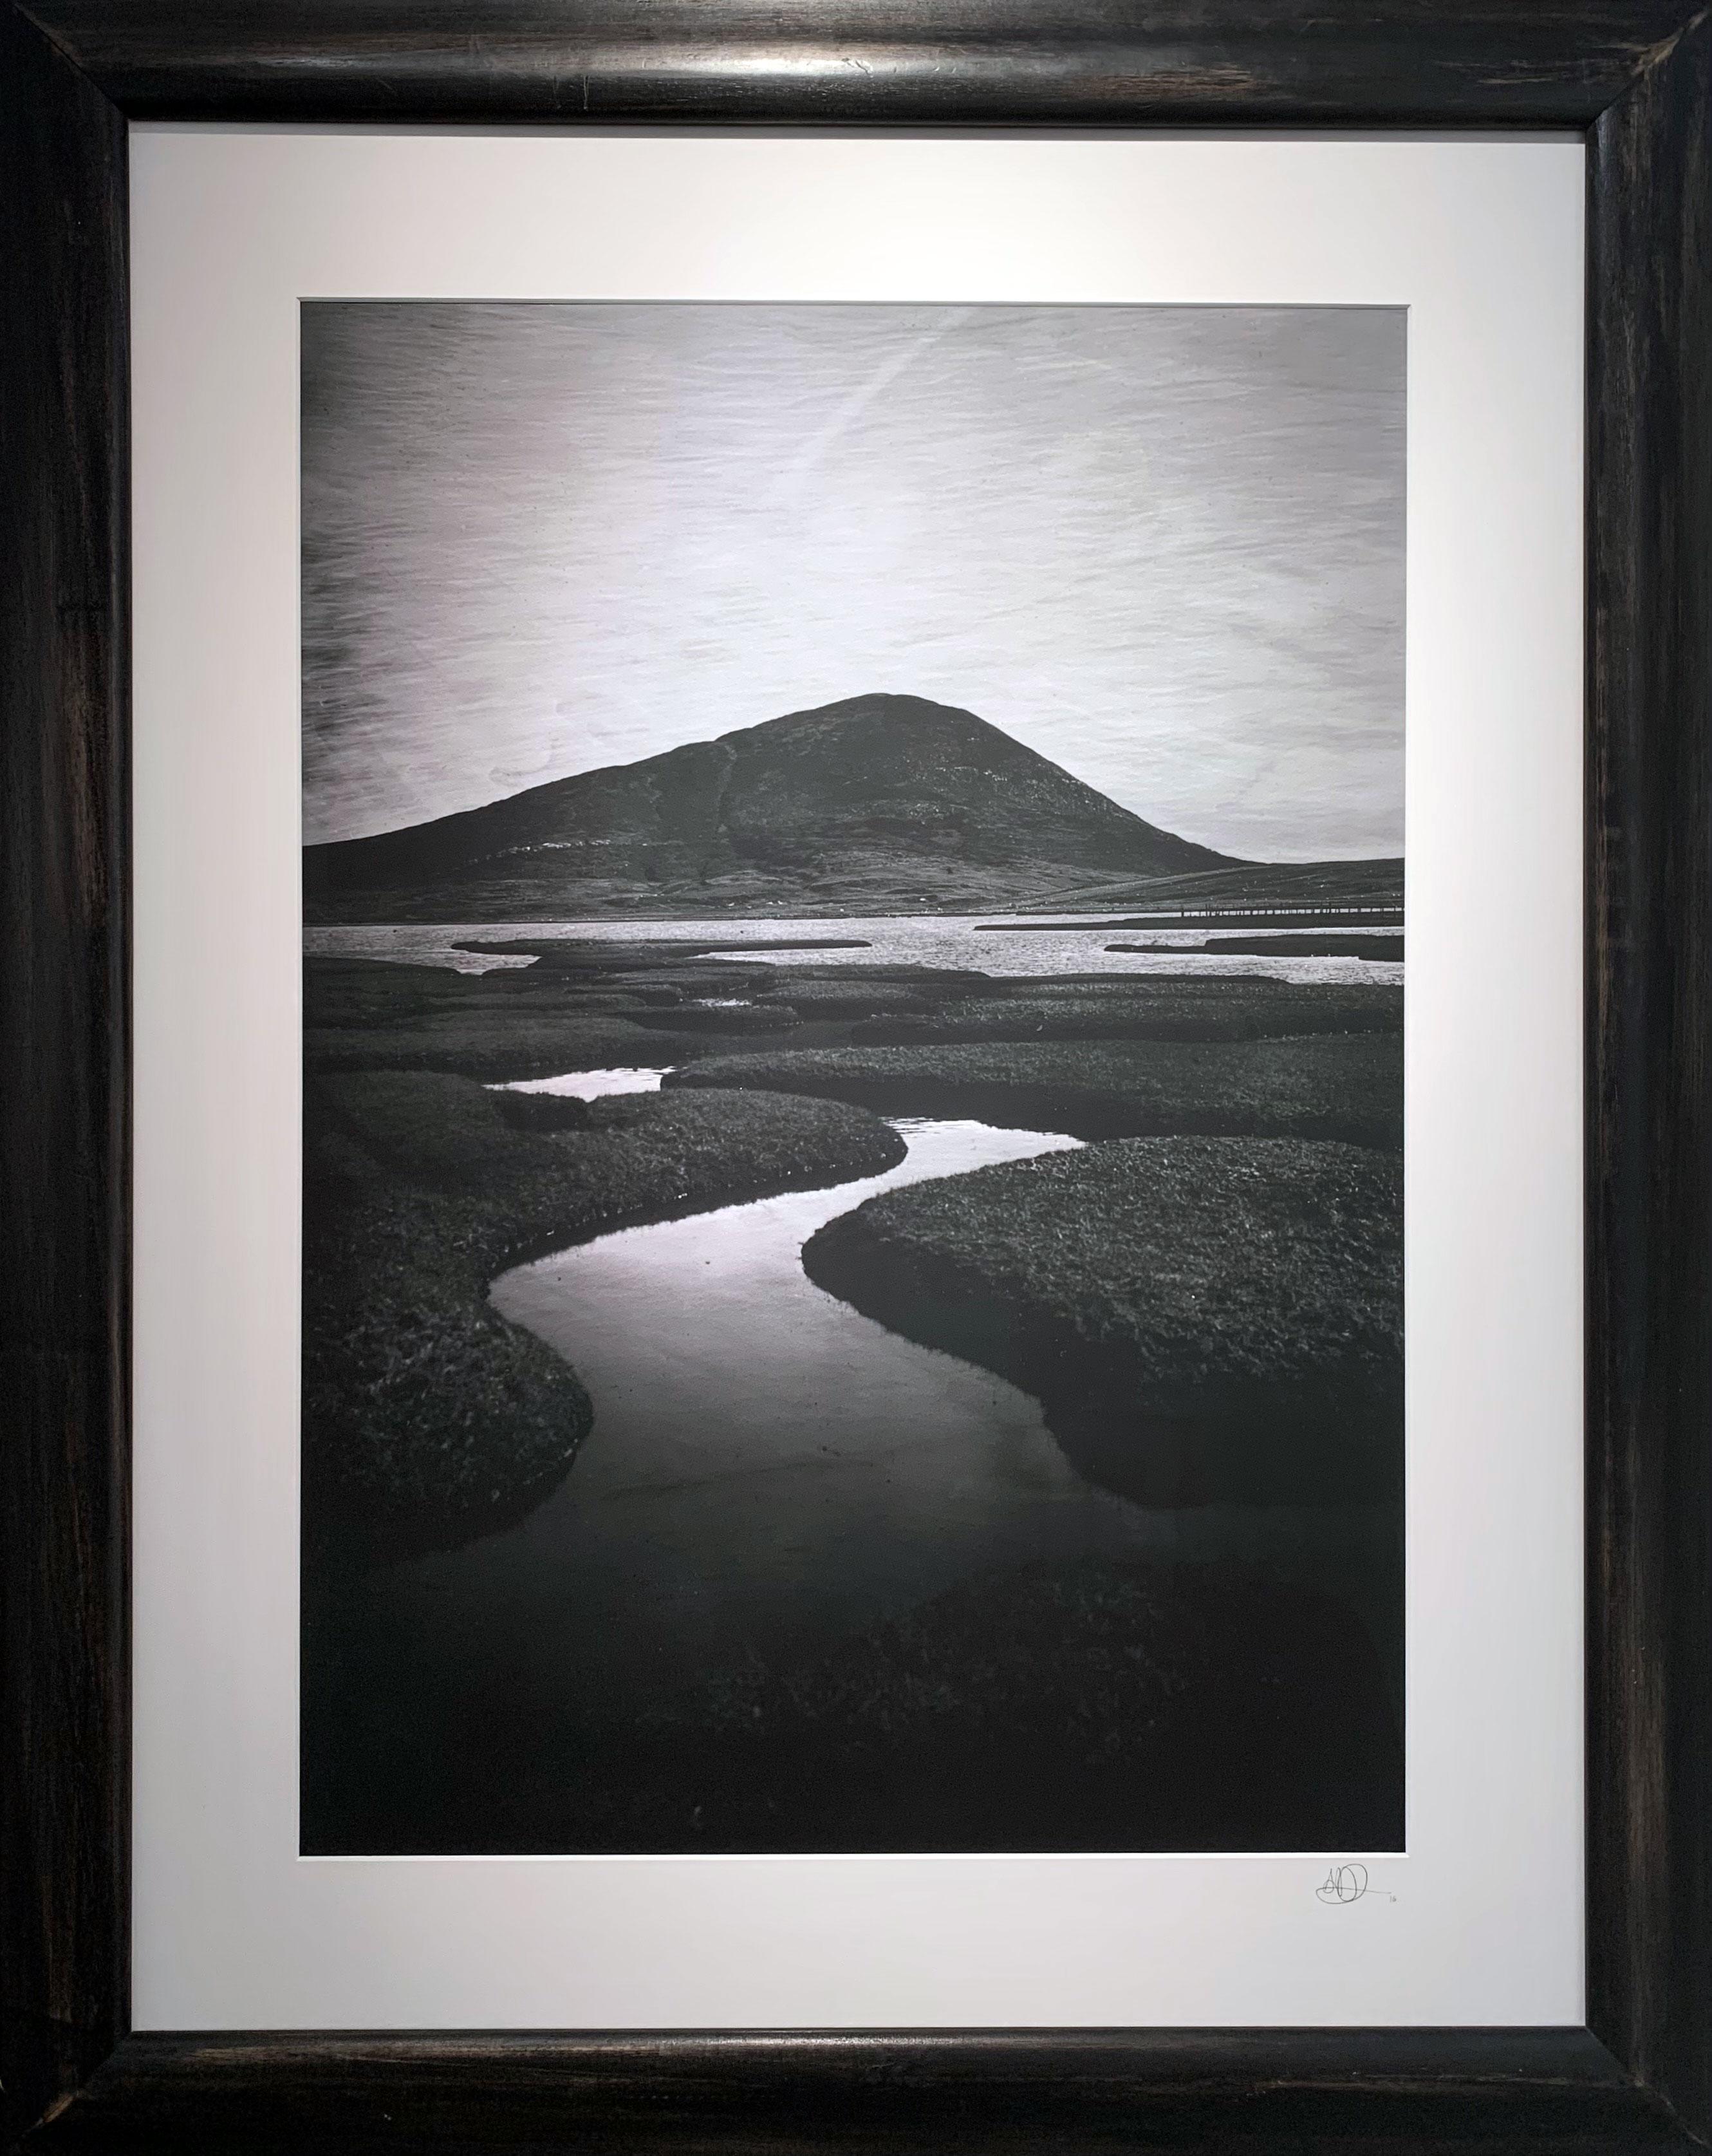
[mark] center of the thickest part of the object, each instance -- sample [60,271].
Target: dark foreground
[1085,1707]
[1206,1302]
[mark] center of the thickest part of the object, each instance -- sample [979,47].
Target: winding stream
[765,1461]
[767,1468]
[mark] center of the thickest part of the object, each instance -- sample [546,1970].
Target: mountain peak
[875,706]
[879,713]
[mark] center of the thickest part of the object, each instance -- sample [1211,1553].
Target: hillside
[877,805]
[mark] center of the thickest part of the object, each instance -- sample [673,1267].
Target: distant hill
[878,805]
[1328,888]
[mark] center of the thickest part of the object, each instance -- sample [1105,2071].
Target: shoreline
[463,1421]
[1171,1385]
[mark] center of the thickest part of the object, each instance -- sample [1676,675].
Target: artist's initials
[1346,1883]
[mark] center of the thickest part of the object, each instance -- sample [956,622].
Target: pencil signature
[1346,1883]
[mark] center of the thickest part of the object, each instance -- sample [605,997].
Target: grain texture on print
[853,988]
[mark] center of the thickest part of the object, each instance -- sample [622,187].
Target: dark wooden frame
[1636,76]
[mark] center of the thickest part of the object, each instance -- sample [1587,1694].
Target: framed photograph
[858,1257]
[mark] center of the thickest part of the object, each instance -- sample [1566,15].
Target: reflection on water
[969,942]
[589,1085]
[767,1468]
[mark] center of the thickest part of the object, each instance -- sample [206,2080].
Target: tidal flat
[428,1417]
[1197,1306]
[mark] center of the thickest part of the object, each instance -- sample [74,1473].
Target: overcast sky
[1164,545]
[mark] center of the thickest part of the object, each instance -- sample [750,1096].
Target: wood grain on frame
[1092,2091]
[1639,73]
[1649,1216]
[858,63]
[64,1075]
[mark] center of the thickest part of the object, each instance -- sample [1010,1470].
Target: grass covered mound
[1158,1010]
[426,1419]
[1203,1320]
[366,1015]
[1337,1086]
[1308,947]
[735,1020]
[479,1043]
[852,999]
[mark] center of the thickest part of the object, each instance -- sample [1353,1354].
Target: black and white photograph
[853,1002]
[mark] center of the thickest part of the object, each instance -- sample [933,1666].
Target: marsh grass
[1202,1319]
[1159,1016]
[1346,1087]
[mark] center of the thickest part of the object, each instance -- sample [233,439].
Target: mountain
[878,805]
